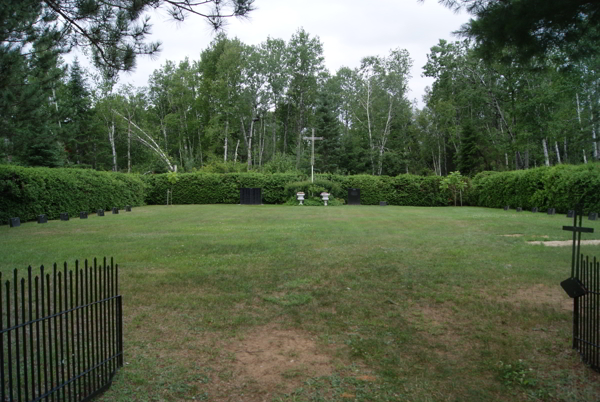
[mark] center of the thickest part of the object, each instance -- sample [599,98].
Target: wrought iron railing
[61,333]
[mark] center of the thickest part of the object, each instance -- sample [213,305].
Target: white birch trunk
[148,141]
[546,157]
[557,151]
[584,157]
[595,152]
[236,151]
[111,138]
[226,132]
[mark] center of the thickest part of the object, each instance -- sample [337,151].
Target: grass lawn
[353,303]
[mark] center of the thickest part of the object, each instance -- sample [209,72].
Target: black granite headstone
[64,216]
[354,196]
[42,219]
[551,211]
[127,208]
[534,209]
[100,212]
[250,196]
[14,222]
[519,209]
[83,215]
[382,203]
[506,207]
[570,213]
[593,216]
[115,211]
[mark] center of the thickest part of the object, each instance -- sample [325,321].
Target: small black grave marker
[250,196]
[519,209]
[354,196]
[571,213]
[64,216]
[382,203]
[14,222]
[593,216]
[42,219]
[100,212]
[534,209]
[506,207]
[127,208]
[115,211]
[83,215]
[551,211]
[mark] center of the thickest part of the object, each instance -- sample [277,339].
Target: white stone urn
[300,197]
[325,197]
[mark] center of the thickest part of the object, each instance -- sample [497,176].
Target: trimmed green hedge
[559,187]
[216,188]
[213,188]
[29,192]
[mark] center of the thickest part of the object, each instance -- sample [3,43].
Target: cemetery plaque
[250,196]
[127,208]
[64,216]
[14,222]
[354,196]
[519,209]
[83,215]
[115,211]
[42,219]
[100,212]
[534,209]
[506,207]
[593,216]
[382,203]
[570,213]
[551,211]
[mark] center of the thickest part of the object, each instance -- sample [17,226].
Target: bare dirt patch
[513,235]
[541,294]
[564,243]
[278,360]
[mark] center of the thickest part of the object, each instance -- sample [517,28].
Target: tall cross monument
[312,159]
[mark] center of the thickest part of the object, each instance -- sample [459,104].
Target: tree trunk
[595,151]
[584,157]
[236,151]
[546,157]
[111,138]
[565,151]
[506,159]
[129,145]
[225,147]
[557,151]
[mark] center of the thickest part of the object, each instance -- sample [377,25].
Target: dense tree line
[493,105]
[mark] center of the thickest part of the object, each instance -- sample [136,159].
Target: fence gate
[584,287]
[61,333]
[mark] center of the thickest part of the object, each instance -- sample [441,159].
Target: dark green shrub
[559,187]
[28,192]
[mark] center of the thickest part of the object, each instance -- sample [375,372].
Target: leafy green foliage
[28,192]
[210,188]
[454,182]
[560,187]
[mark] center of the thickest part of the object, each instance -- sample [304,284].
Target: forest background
[505,96]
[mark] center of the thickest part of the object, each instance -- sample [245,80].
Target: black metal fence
[61,333]
[586,313]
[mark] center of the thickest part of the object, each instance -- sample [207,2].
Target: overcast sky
[348,29]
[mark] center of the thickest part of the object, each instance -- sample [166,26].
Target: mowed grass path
[359,303]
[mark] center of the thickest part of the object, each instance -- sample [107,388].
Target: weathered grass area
[275,303]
